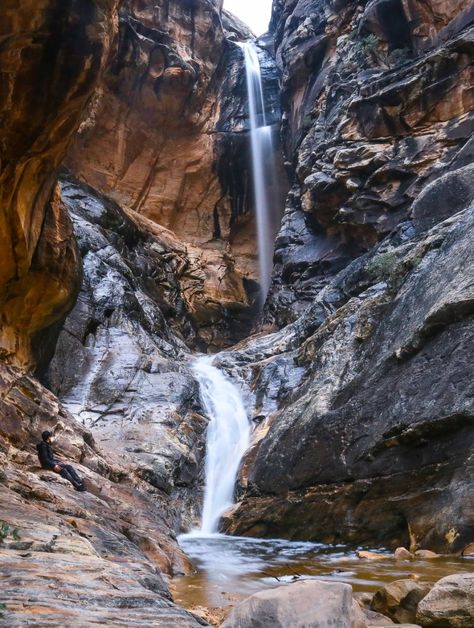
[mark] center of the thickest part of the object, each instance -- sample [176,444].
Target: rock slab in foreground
[307,604]
[450,604]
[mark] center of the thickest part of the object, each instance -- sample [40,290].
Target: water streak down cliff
[263,167]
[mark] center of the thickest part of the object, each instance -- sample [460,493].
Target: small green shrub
[382,266]
[3,608]
[7,531]
[370,43]
[366,51]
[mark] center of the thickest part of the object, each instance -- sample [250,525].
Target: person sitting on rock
[49,462]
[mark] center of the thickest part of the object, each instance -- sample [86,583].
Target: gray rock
[307,604]
[364,129]
[369,417]
[450,603]
[376,619]
[129,378]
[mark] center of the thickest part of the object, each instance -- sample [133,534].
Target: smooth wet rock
[131,379]
[450,603]
[426,554]
[401,553]
[364,555]
[399,600]
[307,604]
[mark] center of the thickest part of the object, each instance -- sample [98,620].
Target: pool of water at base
[229,569]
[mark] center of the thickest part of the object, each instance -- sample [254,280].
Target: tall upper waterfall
[263,164]
[228,436]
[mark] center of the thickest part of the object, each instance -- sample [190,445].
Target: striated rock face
[368,432]
[147,142]
[166,136]
[377,103]
[130,378]
[50,59]
[81,558]
[375,444]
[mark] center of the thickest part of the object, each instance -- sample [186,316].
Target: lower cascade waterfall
[228,436]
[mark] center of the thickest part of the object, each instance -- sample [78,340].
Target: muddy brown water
[229,569]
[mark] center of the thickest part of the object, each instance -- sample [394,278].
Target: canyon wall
[144,250]
[366,389]
[51,56]
[377,100]
[54,58]
[166,137]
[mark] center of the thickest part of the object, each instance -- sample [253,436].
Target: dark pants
[69,473]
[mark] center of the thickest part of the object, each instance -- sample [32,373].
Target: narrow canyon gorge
[330,398]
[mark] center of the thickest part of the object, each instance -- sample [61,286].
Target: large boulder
[399,600]
[450,604]
[307,604]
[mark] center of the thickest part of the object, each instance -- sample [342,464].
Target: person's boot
[79,486]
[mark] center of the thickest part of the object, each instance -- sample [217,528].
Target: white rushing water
[263,165]
[228,436]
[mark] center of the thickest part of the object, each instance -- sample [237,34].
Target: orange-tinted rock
[150,142]
[399,600]
[371,555]
[401,553]
[426,554]
[50,61]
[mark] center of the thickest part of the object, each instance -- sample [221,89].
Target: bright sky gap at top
[255,13]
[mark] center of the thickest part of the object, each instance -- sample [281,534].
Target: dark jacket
[46,457]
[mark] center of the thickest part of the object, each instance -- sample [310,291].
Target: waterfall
[263,164]
[228,436]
